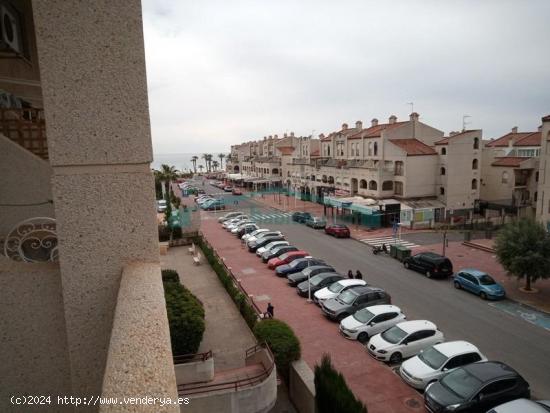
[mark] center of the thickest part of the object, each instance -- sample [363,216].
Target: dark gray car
[277,251]
[254,245]
[317,282]
[352,300]
[297,278]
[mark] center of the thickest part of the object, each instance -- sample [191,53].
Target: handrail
[186,358]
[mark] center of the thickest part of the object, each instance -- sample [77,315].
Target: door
[381,323]
[422,340]
[496,393]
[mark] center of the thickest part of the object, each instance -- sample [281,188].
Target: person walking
[350,274]
[270,313]
[358,275]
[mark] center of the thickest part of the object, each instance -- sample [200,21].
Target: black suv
[431,264]
[352,300]
[297,278]
[476,387]
[318,282]
[301,217]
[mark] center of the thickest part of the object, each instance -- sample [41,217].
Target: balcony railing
[27,128]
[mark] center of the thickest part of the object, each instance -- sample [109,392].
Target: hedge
[245,308]
[185,315]
[332,394]
[283,343]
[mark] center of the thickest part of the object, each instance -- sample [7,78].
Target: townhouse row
[406,171]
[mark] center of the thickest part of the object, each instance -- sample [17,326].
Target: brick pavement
[373,382]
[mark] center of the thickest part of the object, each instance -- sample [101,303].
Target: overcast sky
[221,72]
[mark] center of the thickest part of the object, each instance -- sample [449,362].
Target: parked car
[228,188]
[236,191]
[261,235]
[161,205]
[436,361]
[317,282]
[404,340]
[286,258]
[338,287]
[297,278]
[247,229]
[337,230]
[369,321]
[235,230]
[232,221]
[270,246]
[254,245]
[246,237]
[229,215]
[523,406]
[430,263]
[213,206]
[479,283]
[353,300]
[476,387]
[239,223]
[301,217]
[316,222]
[297,266]
[277,252]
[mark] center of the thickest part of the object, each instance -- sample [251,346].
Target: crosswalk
[271,216]
[378,241]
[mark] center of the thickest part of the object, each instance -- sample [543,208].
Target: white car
[229,215]
[161,205]
[336,288]
[523,406]
[370,321]
[436,361]
[404,340]
[246,237]
[241,221]
[236,228]
[233,220]
[261,235]
[269,246]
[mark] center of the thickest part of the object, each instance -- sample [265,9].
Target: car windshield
[316,280]
[336,287]
[363,316]
[295,263]
[284,256]
[394,335]
[461,383]
[486,280]
[432,358]
[347,297]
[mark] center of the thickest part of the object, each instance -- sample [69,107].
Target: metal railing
[188,358]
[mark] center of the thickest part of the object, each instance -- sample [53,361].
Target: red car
[286,258]
[237,191]
[339,231]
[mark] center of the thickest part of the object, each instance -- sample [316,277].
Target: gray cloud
[220,71]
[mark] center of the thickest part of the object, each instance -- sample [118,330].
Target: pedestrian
[350,274]
[358,275]
[270,313]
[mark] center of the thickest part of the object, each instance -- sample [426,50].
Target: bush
[282,341]
[185,315]
[332,394]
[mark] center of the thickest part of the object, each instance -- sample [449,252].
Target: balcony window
[474,183]
[363,184]
[443,151]
[442,171]
[441,191]
[398,168]
[476,143]
[398,188]
[387,185]
[474,164]
[504,178]
[373,185]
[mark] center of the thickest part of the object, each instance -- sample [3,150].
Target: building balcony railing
[27,128]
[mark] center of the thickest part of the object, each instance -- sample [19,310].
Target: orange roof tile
[376,131]
[444,141]
[413,147]
[529,140]
[510,161]
[515,138]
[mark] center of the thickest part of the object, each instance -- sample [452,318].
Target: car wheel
[363,337]
[396,358]
[457,285]
[483,295]
[428,274]
[406,265]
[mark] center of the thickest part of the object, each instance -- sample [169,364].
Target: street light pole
[308,288]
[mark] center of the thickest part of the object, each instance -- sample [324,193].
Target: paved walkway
[373,382]
[226,333]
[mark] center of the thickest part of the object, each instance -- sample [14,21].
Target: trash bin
[393,251]
[402,253]
[467,236]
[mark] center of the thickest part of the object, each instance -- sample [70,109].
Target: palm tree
[208,161]
[215,165]
[221,156]
[194,160]
[167,174]
[201,168]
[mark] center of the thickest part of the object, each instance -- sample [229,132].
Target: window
[535,196]
[398,188]
[474,183]
[375,148]
[504,179]
[373,185]
[442,171]
[454,363]
[470,358]
[537,176]
[363,184]
[387,186]
[476,143]
[441,191]
[498,386]
[370,148]
[443,151]
[474,164]
[398,170]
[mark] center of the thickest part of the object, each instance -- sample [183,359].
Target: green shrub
[185,315]
[332,394]
[282,341]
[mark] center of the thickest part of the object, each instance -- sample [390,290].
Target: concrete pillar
[92,67]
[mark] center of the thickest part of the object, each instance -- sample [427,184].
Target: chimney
[414,117]
[292,134]
[275,137]
[515,129]
[374,122]
[285,135]
[392,119]
[265,138]
[322,135]
[358,125]
[344,126]
[270,136]
[453,133]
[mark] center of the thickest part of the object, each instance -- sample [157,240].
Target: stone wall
[302,387]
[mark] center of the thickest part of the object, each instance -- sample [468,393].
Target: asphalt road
[458,314]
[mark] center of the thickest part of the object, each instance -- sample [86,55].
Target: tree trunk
[527,283]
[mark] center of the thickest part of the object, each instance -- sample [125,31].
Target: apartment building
[543,187]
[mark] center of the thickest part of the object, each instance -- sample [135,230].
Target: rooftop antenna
[464,122]
[412,106]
